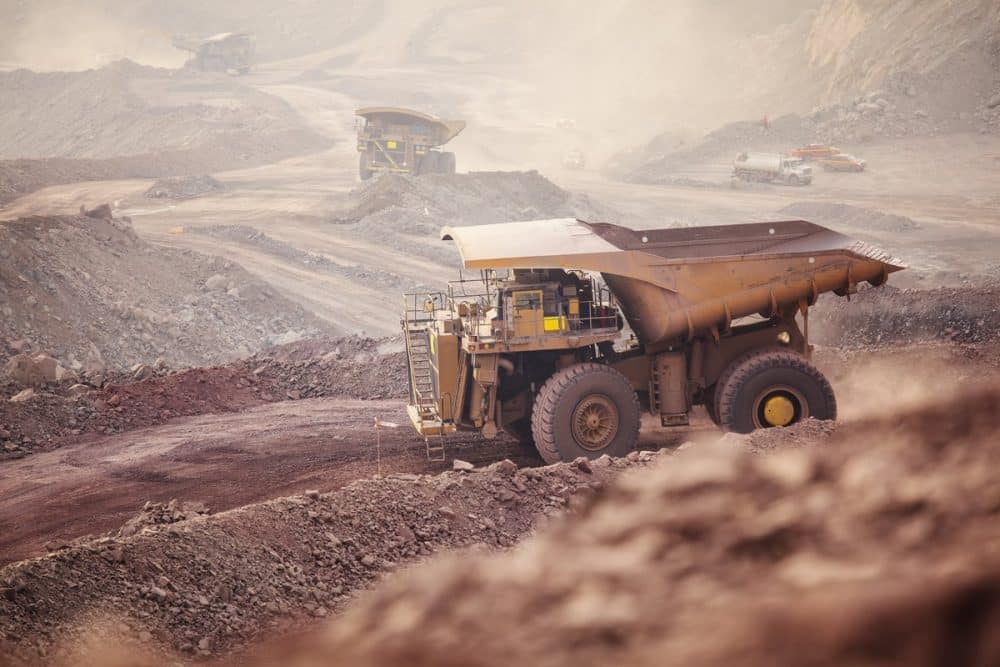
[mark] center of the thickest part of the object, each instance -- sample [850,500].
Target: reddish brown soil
[350,367]
[878,548]
[224,460]
[203,585]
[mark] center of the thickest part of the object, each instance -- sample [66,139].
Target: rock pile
[350,366]
[863,551]
[422,205]
[47,414]
[889,315]
[161,514]
[199,585]
[88,292]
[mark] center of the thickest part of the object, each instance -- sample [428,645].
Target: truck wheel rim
[779,406]
[595,422]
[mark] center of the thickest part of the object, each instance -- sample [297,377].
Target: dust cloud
[66,35]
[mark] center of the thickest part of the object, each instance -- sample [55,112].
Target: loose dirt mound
[878,548]
[889,315]
[419,207]
[130,121]
[210,584]
[828,213]
[127,109]
[350,367]
[88,289]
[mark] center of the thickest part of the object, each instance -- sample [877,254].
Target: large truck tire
[772,387]
[586,410]
[446,164]
[710,407]
[428,163]
[363,171]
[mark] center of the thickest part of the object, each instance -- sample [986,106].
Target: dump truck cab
[542,309]
[566,358]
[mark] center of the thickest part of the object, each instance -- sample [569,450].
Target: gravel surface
[198,585]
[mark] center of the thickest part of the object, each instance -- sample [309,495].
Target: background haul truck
[539,350]
[404,141]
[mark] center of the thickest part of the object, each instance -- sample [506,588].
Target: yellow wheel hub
[779,411]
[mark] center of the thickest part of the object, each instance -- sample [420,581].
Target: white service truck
[772,168]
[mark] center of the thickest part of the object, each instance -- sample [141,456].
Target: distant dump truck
[225,52]
[404,141]
[575,159]
[771,168]
[537,347]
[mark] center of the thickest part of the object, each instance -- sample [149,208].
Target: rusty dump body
[676,283]
[702,303]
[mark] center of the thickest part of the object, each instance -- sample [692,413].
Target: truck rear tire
[446,163]
[363,171]
[428,163]
[772,387]
[586,410]
[710,405]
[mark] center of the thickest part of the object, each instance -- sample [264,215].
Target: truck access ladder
[423,406]
[421,384]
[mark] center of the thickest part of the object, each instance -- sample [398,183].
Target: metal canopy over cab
[675,282]
[440,129]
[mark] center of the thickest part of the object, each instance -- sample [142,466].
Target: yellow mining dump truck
[404,141]
[574,328]
[224,52]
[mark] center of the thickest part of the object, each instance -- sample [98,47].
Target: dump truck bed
[677,283]
[443,130]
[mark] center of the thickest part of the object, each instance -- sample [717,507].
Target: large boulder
[22,371]
[23,396]
[51,370]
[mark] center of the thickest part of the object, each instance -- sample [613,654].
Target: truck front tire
[585,410]
[363,171]
[446,163]
[774,387]
[428,163]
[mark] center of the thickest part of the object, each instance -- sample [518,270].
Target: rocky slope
[129,121]
[88,291]
[860,71]
[196,585]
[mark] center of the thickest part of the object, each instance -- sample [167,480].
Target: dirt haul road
[268,451]
[222,460]
[295,201]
